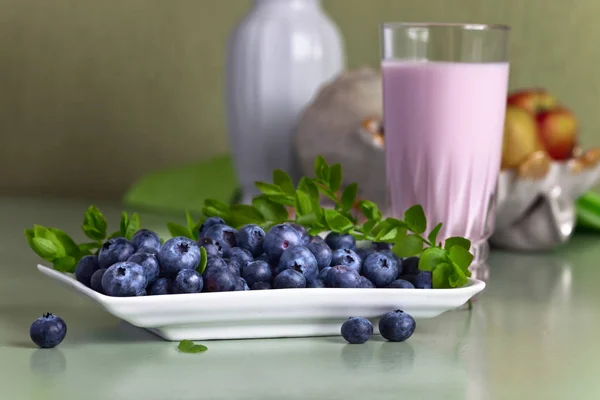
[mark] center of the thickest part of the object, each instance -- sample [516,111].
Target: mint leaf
[114,235]
[368,226]
[203,261]
[415,219]
[190,221]
[388,234]
[65,240]
[46,249]
[460,256]
[282,199]
[457,278]
[270,210]
[322,169]
[307,220]
[409,246]
[86,248]
[65,264]
[132,227]
[179,230]
[337,222]
[243,214]
[335,177]
[29,235]
[283,180]
[268,188]
[349,196]
[124,223]
[457,241]
[308,186]
[187,346]
[94,224]
[370,209]
[303,203]
[434,234]
[216,208]
[431,258]
[441,275]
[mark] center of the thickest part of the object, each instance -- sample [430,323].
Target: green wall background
[93,94]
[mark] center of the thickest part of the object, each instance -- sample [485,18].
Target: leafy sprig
[187,346]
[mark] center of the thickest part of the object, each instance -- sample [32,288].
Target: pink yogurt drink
[443,137]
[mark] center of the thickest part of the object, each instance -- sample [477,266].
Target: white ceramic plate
[268,313]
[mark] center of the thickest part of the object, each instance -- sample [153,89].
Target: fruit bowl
[267,313]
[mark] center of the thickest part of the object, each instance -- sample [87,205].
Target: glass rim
[463,26]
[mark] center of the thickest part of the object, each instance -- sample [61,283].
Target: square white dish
[268,313]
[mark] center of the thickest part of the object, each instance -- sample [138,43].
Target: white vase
[279,55]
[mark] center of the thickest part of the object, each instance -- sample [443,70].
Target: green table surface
[532,334]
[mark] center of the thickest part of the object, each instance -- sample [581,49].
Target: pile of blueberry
[284,257]
[395,326]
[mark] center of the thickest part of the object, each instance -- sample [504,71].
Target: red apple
[558,129]
[533,100]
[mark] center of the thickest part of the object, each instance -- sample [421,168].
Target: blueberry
[113,251]
[323,273]
[213,247]
[187,281]
[234,267]
[321,251]
[400,284]
[364,283]
[289,279]
[145,238]
[209,223]
[86,267]
[216,263]
[150,250]
[396,326]
[278,239]
[422,280]
[160,286]
[250,237]
[380,269]
[242,256]
[241,284]
[304,236]
[410,266]
[225,234]
[357,330]
[142,292]
[363,252]
[177,254]
[263,257]
[261,286]
[219,280]
[339,241]
[393,255]
[48,331]
[348,258]
[380,246]
[150,263]
[96,281]
[342,277]
[257,271]
[124,279]
[300,259]
[315,284]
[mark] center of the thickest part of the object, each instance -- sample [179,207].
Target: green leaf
[203,261]
[415,219]
[179,230]
[46,249]
[457,241]
[307,220]
[370,209]
[283,180]
[309,187]
[268,188]
[410,246]
[325,190]
[243,214]
[94,224]
[337,222]
[187,346]
[114,235]
[283,200]
[335,177]
[29,235]
[434,234]
[460,256]
[432,257]
[133,226]
[190,221]
[216,208]
[86,248]
[65,264]
[388,235]
[322,169]
[66,241]
[270,210]
[349,196]
[368,226]
[457,278]
[217,204]
[303,203]
[441,275]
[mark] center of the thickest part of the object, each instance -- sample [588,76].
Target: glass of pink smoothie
[444,98]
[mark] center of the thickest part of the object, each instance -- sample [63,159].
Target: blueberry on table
[410,266]
[315,284]
[342,276]
[250,237]
[96,281]
[380,269]
[86,267]
[279,239]
[300,259]
[289,279]
[187,281]
[321,251]
[340,241]
[115,250]
[261,286]
[219,280]
[397,326]
[225,234]
[145,238]
[257,271]
[124,279]
[241,284]
[357,330]
[242,256]
[177,254]
[48,331]
[149,262]
[304,236]
[160,286]
[348,258]
[364,283]
[209,223]
[400,284]
[323,273]
[213,247]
